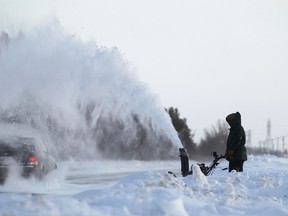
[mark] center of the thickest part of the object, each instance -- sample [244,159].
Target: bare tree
[214,139]
[4,41]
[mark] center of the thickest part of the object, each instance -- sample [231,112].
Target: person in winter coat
[236,152]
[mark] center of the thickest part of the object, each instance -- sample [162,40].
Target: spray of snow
[84,99]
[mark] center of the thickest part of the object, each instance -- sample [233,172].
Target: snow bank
[262,189]
[256,191]
[149,193]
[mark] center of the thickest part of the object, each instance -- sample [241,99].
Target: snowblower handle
[208,170]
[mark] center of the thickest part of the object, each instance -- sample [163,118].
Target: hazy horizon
[208,59]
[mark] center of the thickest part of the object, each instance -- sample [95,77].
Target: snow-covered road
[72,177]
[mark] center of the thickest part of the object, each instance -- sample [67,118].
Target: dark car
[29,154]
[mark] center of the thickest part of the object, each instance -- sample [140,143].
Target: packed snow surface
[146,188]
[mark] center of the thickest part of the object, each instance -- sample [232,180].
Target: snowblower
[206,170]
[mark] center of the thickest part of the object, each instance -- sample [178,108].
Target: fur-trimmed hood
[234,119]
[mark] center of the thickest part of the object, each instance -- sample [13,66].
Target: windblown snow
[84,99]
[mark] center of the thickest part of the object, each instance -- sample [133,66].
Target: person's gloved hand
[229,154]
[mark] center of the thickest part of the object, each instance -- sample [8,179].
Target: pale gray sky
[207,58]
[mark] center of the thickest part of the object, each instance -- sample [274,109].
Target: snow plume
[84,99]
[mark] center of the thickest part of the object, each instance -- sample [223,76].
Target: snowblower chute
[184,162]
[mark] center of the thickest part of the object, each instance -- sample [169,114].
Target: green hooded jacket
[236,139]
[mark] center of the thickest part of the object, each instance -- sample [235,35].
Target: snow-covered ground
[145,188]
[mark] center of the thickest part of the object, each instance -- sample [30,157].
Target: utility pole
[248,140]
[268,135]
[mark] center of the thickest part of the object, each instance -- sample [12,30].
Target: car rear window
[18,142]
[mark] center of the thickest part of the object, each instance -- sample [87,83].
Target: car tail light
[32,161]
